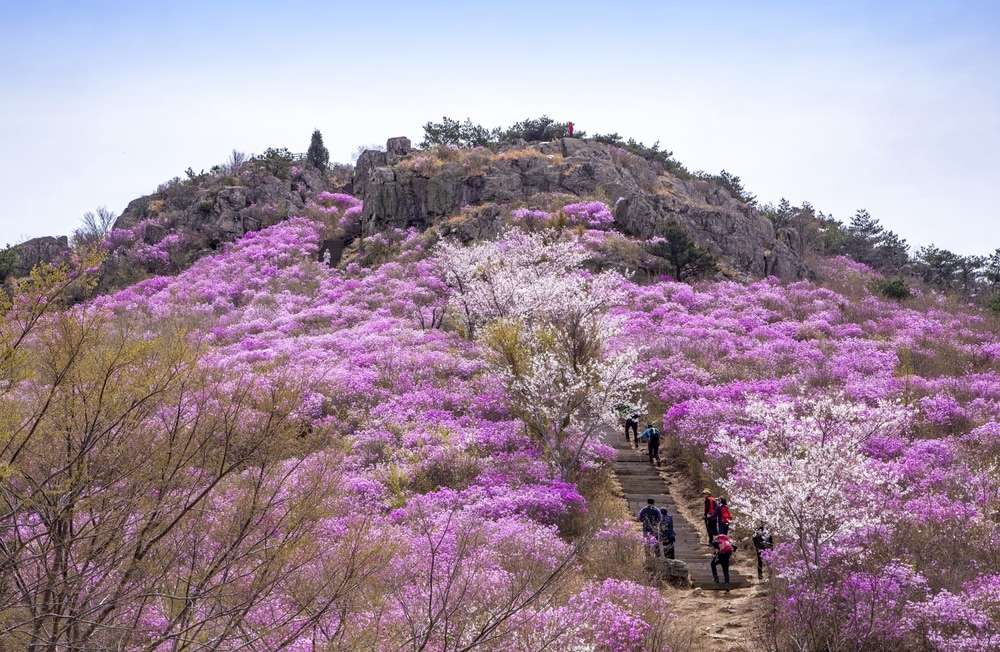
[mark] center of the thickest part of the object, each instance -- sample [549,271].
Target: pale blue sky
[890,106]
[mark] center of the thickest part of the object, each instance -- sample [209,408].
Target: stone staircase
[641,480]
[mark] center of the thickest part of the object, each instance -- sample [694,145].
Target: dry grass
[524,153]
[620,557]
[431,161]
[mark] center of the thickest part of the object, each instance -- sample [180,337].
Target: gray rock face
[220,210]
[396,148]
[402,187]
[209,210]
[675,568]
[417,191]
[369,161]
[38,250]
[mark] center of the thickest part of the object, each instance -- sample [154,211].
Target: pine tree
[992,271]
[685,258]
[969,269]
[318,156]
[938,266]
[893,253]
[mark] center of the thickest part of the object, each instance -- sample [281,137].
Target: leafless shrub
[235,162]
[95,225]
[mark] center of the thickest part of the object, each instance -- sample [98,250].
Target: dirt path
[722,621]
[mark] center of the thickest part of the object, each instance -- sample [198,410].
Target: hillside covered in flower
[407,451]
[863,432]
[264,452]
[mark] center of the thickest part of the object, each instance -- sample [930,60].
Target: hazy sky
[890,106]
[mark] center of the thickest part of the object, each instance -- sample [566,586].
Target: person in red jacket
[569,129]
[724,548]
[723,516]
[711,519]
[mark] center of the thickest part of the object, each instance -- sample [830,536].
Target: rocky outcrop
[208,210]
[46,249]
[217,209]
[402,189]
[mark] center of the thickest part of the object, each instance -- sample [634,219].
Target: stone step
[710,585]
[639,481]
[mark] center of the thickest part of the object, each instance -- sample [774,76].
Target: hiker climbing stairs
[641,480]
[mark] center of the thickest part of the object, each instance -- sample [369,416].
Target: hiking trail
[721,620]
[640,480]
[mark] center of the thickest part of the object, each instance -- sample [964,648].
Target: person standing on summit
[569,129]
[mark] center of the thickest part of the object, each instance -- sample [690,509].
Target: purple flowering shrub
[147,244]
[862,431]
[389,491]
[594,215]
[591,214]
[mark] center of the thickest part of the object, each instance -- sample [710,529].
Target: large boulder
[398,147]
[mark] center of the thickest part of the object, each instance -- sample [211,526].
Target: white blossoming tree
[801,469]
[529,300]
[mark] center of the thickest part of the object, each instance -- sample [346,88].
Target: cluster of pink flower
[345,208]
[592,214]
[435,459]
[865,433]
[589,214]
[147,243]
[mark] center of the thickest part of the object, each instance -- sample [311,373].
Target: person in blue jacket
[652,437]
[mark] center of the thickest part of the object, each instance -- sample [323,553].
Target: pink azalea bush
[440,412]
[594,215]
[423,510]
[862,431]
[147,243]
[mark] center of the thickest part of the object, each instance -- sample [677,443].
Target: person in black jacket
[650,518]
[762,540]
[632,423]
[652,437]
[667,536]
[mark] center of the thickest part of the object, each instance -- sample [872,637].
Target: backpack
[725,545]
[667,527]
[650,517]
